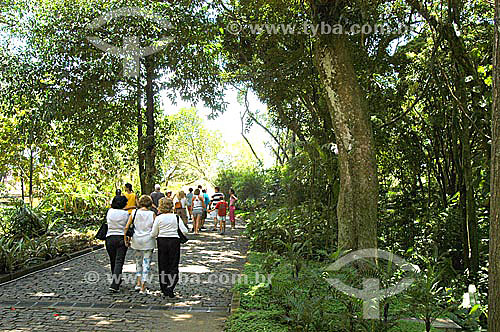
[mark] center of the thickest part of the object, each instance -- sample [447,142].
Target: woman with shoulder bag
[165,230]
[116,219]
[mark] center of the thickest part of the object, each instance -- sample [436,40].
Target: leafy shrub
[20,253]
[307,302]
[30,236]
[77,204]
[249,185]
[23,221]
[272,230]
[265,321]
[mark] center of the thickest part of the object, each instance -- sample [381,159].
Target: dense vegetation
[57,226]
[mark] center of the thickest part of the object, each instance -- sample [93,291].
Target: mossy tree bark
[358,196]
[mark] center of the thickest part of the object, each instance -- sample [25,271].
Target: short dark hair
[217,189]
[129,186]
[190,189]
[200,186]
[204,191]
[118,192]
[119,202]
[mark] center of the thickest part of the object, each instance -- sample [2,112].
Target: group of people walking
[156,220]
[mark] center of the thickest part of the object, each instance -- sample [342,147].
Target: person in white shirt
[216,198]
[116,219]
[164,230]
[142,242]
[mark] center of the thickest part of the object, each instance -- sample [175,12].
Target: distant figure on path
[116,218]
[156,196]
[169,246]
[180,204]
[131,198]
[142,242]
[221,209]
[216,198]
[118,193]
[198,206]
[206,199]
[232,207]
[189,202]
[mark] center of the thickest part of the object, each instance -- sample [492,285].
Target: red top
[221,208]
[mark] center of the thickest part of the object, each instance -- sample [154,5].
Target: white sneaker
[137,288]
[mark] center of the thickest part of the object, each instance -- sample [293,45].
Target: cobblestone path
[74,296]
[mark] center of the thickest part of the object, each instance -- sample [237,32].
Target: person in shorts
[216,198]
[212,213]
[198,204]
[221,209]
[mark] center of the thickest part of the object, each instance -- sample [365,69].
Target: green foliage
[22,221]
[265,321]
[284,229]
[429,299]
[249,185]
[19,253]
[186,148]
[31,236]
[306,302]
[74,203]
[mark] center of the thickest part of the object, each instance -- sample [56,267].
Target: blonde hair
[181,194]
[145,201]
[165,205]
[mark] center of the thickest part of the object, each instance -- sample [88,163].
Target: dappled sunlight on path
[76,292]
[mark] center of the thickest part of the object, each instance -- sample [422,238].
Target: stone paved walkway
[74,296]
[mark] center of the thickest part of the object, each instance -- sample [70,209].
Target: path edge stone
[235,302]
[21,273]
[236,298]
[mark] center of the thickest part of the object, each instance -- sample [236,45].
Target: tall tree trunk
[22,188]
[459,186]
[470,204]
[140,148]
[494,257]
[31,177]
[358,196]
[149,140]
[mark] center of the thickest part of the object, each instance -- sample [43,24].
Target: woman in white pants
[142,242]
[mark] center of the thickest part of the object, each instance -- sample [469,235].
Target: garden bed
[25,255]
